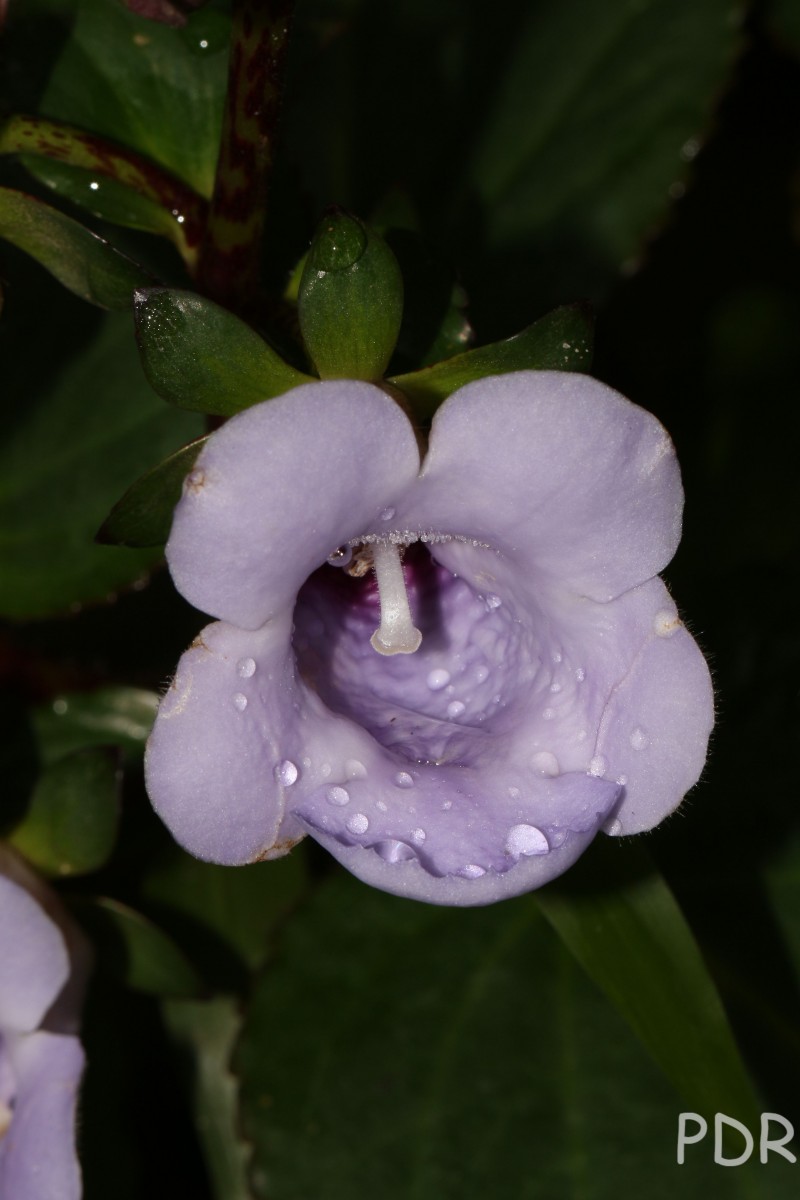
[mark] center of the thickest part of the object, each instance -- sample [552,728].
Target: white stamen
[396,634]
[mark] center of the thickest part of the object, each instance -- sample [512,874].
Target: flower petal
[210,758]
[34,964]
[37,1155]
[278,488]
[573,482]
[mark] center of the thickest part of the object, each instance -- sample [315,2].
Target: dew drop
[526,840]
[338,796]
[358,823]
[622,780]
[455,708]
[555,687]
[240,701]
[493,602]
[639,738]
[246,668]
[381,806]
[447,805]
[342,556]
[557,656]
[613,828]
[666,623]
[403,779]
[325,770]
[598,766]
[438,679]
[418,835]
[580,674]
[472,871]
[354,769]
[545,763]
[387,514]
[392,851]
[286,772]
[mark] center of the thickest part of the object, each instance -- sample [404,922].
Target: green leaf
[205,1032]
[560,341]
[80,260]
[403,1050]
[120,715]
[238,905]
[71,824]
[199,356]
[157,90]
[136,951]
[591,128]
[78,437]
[350,301]
[634,942]
[143,516]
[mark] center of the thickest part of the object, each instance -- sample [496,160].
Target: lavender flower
[43,962]
[452,676]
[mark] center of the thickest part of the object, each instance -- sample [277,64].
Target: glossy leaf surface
[142,517]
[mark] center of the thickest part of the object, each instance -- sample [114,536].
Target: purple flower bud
[43,964]
[451,673]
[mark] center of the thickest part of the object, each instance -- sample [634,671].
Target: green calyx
[350,300]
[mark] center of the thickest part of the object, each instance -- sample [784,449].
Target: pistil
[396,633]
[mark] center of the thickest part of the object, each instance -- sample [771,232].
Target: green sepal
[70,826]
[136,951]
[350,300]
[143,516]
[560,341]
[80,260]
[201,357]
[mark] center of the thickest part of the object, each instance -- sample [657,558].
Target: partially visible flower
[43,963]
[496,674]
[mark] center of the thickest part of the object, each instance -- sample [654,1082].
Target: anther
[396,633]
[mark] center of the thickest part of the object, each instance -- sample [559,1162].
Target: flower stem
[230,260]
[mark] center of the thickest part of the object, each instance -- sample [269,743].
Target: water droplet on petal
[403,779]
[286,772]
[555,687]
[392,851]
[354,769]
[493,601]
[472,871]
[613,827]
[639,738]
[381,805]
[418,835]
[622,780]
[447,805]
[358,823]
[455,708]
[325,770]
[341,557]
[666,623]
[240,701]
[557,656]
[387,514]
[580,674]
[526,840]
[545,763]
[438,679]
[338,796]
[598,766]
[246,667]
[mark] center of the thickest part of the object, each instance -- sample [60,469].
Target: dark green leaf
[350,301]
[71,824]
[136,951]
[77,440]
[591,128]
[633,941]
[559,341]
[120,715]
[157,90]
[143,516]
[199,356]
[206,1031]
[240,905]
[80,260]
[402,1050]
